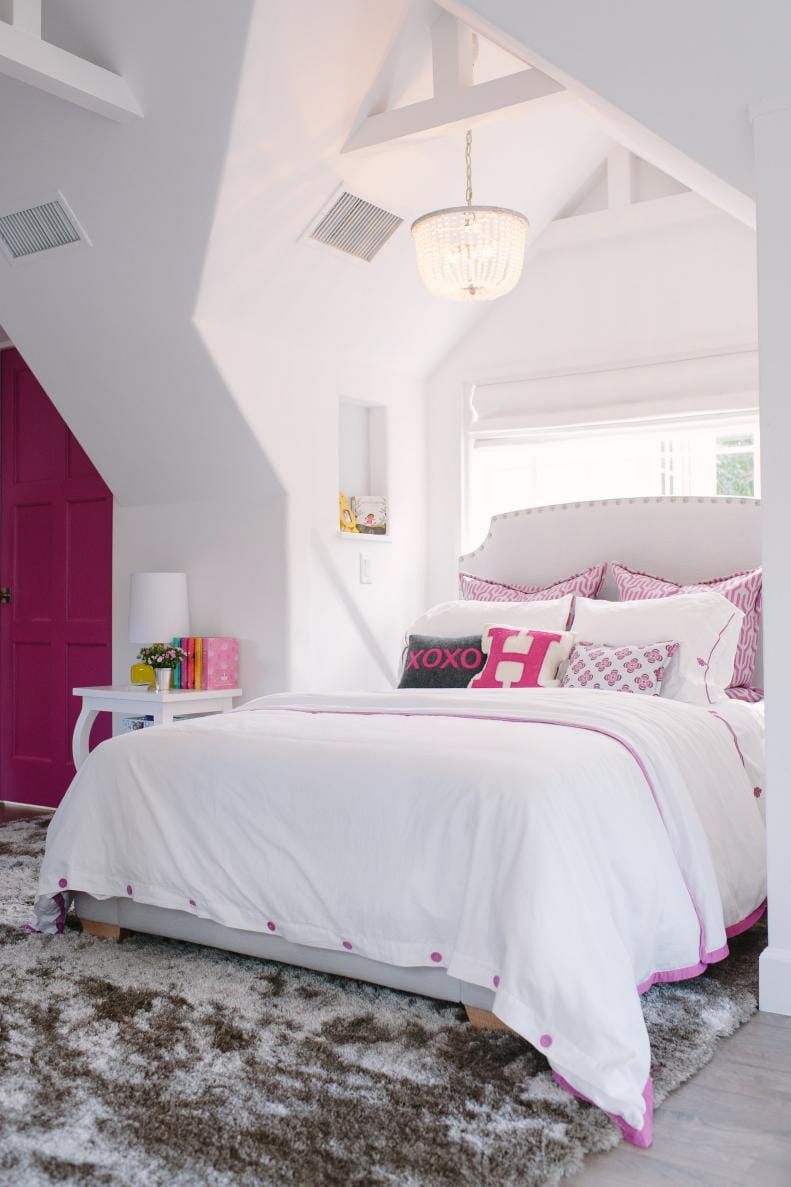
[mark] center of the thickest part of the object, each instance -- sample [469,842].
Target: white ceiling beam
[26,16]
[624,128]
[619,178]
[464,105]
[50,68]
[451,54]
[628,220]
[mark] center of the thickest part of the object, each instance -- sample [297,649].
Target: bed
[541,855]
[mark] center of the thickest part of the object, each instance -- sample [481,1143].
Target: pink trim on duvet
[643,1137]
[637,1137]
[593,729]
[745,924]
[694,970]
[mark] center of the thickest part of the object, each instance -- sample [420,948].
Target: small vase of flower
[163,658]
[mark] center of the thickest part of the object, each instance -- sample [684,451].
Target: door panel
[56,558]
[33,578]
[88,554]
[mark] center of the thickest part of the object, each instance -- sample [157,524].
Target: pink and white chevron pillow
[477,589]
[742,590]
[633,668]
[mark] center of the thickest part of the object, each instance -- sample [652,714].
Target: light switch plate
[366,571]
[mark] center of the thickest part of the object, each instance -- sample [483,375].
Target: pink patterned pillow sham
[743,590]
[477,589]
[635,668]
[745,692]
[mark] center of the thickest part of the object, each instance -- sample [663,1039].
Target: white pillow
[451,620]
[705,624]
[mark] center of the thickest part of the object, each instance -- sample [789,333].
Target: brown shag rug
[160,1063]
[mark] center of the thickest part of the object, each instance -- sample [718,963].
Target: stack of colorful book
[211,663]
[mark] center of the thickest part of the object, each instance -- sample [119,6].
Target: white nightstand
[162,706]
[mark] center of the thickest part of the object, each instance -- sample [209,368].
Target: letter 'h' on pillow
[522,658]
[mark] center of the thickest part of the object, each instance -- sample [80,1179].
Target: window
[711,455]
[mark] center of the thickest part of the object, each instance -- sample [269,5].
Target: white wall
[233,553]
[773,169]
[341,633]
[663,293]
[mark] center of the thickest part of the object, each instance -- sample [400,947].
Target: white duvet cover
[565,848]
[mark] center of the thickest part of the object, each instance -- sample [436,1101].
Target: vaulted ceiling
[197,212]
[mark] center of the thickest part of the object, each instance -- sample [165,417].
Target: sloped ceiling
[196,213]
[280,172]
[676,74]
[108,329]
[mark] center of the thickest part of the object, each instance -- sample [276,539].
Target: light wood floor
[730,1126]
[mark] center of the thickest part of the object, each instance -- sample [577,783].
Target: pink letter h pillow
[522,658]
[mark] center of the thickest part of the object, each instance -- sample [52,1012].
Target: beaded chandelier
[470,253]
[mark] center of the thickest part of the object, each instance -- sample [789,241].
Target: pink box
[220,662]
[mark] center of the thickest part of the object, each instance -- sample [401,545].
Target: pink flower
[613,678]
[653,656]
[643,681]
[631,664]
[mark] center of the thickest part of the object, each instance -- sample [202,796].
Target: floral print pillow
[632,668]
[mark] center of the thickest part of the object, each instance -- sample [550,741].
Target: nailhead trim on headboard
[722,500]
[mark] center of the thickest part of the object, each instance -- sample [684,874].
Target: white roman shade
[720,382]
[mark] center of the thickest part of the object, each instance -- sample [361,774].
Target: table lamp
[158,610]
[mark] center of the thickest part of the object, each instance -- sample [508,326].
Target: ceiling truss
[456,100]
[27,57]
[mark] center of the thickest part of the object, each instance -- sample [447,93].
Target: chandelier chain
[468,163]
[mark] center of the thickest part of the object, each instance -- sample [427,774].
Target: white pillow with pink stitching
[706,627]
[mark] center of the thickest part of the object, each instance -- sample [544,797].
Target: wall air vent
[39,228]
[355,226]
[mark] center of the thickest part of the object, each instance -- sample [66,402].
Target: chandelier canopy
[470,253]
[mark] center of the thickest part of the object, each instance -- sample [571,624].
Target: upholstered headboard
[682,538]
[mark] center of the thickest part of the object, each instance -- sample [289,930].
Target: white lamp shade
[158,607]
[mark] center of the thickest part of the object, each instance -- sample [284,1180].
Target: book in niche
[370,514]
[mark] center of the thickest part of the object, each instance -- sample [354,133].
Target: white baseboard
[774,981]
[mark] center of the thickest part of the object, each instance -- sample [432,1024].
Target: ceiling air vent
[355,226]
[39,228]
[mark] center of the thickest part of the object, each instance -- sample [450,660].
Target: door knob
[5,595]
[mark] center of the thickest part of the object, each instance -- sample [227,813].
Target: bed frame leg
[484,1019]
[102,931]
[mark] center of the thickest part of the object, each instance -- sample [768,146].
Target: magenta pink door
[56,521]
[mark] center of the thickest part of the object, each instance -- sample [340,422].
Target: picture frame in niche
[370,514]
